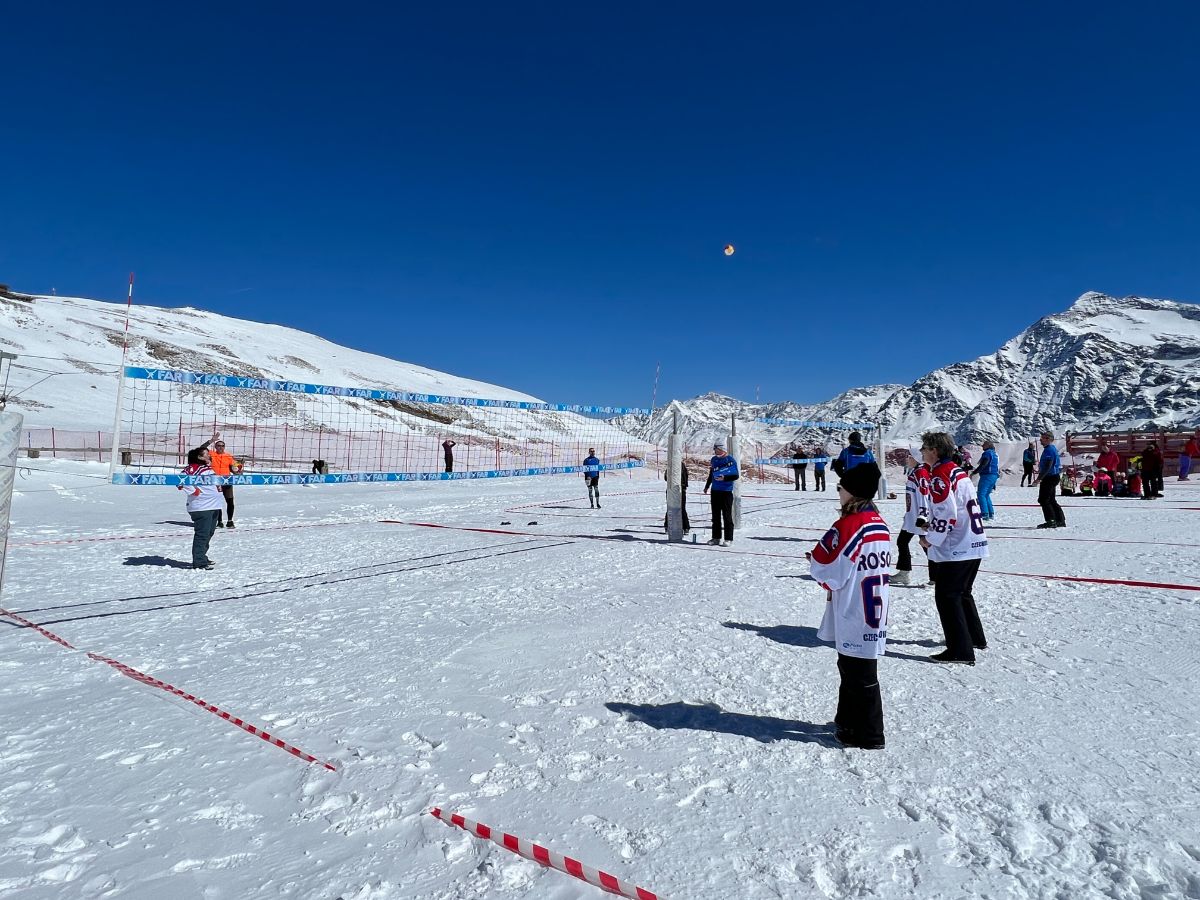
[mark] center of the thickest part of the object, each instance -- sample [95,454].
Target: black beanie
[863,480]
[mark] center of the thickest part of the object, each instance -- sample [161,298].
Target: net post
[882,493]
[735,451]
[674,484]
[10,444]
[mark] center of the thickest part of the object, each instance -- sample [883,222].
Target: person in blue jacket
[592,478]
[853,454]
[722,473]
[1048,476]
[988,471]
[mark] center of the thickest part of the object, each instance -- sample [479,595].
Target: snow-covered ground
[661,712]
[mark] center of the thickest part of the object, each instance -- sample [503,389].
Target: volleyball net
[281,432]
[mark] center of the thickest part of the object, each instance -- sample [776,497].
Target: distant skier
[448,451]
[854,454]
[592,478]
[1152,471]
[722,473]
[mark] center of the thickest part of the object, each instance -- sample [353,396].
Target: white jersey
[955,530]
[202,496]
[916,500]
[853,563]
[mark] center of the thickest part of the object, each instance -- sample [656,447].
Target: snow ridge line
[539,854]
[151,681]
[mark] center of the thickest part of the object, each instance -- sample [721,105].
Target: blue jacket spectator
[989,463]
[854,454]
[1050,464]
[726,467]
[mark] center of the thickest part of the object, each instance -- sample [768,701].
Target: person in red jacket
[1108,459]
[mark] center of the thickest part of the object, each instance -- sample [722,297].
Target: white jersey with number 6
[955,528]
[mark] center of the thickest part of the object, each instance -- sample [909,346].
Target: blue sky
[537,194]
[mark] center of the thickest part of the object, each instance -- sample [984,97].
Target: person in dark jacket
[448,451]
[1028,458]
[1152,471]
[722,473]
[798,469]
[854,454]
[683,486]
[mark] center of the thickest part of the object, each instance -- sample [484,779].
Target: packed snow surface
[658,711]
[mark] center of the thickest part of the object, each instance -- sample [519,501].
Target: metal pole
[10,444]
[735,451]
[674,483]
[116,435]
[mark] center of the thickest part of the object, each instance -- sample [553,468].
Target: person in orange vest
[224,464]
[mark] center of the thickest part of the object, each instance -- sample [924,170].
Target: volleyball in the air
[729,249]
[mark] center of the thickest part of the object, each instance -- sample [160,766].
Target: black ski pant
[1028,474]
[593,486]
[952,592]
[1048,498]
[818,479]
[687,526]
[801,479]
[722,515]
[449,463]
[904,560]
[1152,483]
[227,490]
[860,706]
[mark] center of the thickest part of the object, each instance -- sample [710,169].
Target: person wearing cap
[956,541]
[989,475]
[854,454]
[1103,482]
[916,517]
[448,453]
[798,469]
[852,562]
[722,473]
[203,504]
[1108,459]
[591,477]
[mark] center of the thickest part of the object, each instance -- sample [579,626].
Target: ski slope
[657,711]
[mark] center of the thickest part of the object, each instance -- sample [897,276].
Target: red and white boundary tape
[151,681]
[540,854]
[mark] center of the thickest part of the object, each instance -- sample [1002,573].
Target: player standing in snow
[448,452]
[722,473]
[1152,471]
[1108,458]
[592,478]
[916,517]
[224,464]
[851,562]
[989,475]
[820,457]
[854,454]
[956,542]
[1048,476]
[1028,458]
[798,469]
[204,503]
